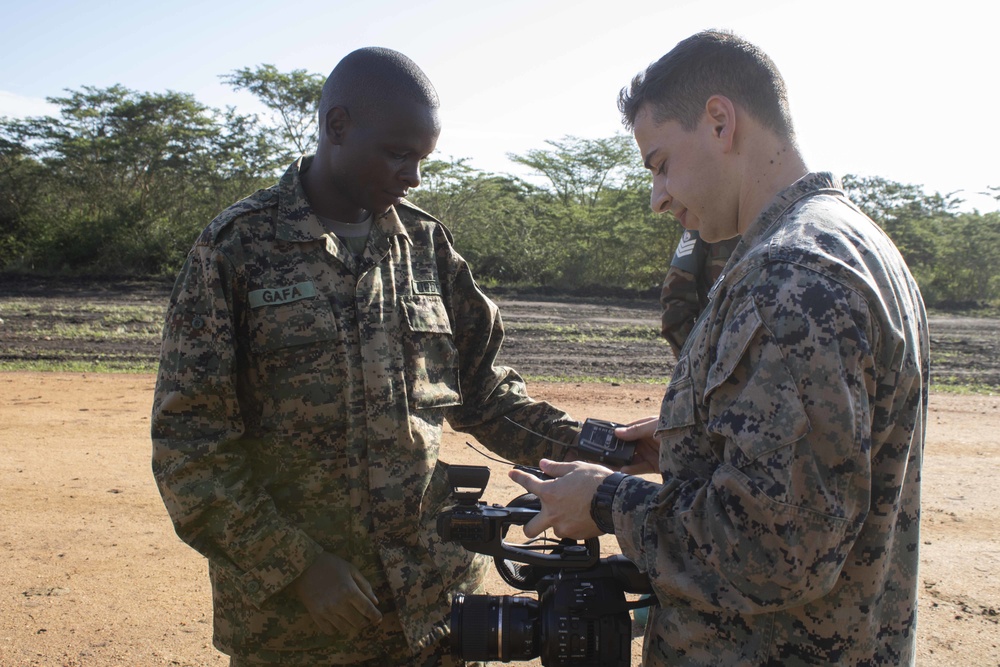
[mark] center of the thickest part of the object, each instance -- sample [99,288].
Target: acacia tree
[292,99]
[502,225]
[610,234]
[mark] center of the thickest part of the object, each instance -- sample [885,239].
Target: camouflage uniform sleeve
[198,422]
[694,269]
[680,307]
[784,406]
[493,395]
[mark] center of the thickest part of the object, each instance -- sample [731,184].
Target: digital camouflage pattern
[299,407]
[786,528]
[695,267]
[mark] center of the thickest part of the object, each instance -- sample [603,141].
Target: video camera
[581,616]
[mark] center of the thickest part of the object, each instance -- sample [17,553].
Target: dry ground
[92,574]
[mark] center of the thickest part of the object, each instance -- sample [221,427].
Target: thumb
[637,429]
[557,468]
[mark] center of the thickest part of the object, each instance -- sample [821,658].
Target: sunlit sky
[899,89]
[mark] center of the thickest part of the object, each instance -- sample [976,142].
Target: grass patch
[105,331]
[80,366]
[592,379]
[584,333]
[952,385]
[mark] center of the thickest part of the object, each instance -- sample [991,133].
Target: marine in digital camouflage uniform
[301,395]
[694,268]
[784,527]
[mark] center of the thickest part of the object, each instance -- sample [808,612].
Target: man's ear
[722,116]
[337,122]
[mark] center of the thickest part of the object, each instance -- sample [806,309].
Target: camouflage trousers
[438,655]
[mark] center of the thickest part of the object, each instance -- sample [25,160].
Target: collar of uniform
[296,220]
[810,184]
[385,226]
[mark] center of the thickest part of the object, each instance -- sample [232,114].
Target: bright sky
[893,88]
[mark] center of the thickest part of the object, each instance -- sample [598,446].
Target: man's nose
[411,174]
[659,199]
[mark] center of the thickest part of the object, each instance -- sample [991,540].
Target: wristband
[604,498]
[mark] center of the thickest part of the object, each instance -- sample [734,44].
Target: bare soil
[91,573]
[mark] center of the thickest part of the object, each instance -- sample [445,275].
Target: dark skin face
[367,165]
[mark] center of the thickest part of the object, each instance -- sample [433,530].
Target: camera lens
[494,627]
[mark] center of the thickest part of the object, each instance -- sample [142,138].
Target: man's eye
[397,156]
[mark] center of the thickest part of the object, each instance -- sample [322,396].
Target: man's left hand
[565,500]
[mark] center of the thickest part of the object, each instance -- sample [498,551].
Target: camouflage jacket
[299,408]
[695,267]
[785,529]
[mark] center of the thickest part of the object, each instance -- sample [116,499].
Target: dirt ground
[91,573]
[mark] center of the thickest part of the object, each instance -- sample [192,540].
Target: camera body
[581,615]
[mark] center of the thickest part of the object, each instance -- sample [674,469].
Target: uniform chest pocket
[275,329]
[431,358]
[297,355]
[755,400]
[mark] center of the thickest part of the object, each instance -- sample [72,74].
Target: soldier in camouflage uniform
[303,382]
[695,267]
[784,528]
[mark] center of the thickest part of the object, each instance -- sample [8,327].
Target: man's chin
[381,208]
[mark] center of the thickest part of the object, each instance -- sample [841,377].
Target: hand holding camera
[581,616]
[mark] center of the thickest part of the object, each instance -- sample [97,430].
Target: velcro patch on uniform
[275,296]
[426,287]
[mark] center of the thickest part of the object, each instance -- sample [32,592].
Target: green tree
[606,230]
[913,219]
[291,98]
[118,169]
[23,180]
[968,266]
[502,224]
[580,170]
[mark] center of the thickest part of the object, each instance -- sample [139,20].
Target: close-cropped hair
[714,62]
[365,81]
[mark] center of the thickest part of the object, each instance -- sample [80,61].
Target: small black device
[581,614]
[598,443]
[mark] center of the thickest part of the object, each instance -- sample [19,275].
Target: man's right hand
[339,599]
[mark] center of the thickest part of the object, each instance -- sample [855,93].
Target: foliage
[292,98]
[120,182]
[955,257]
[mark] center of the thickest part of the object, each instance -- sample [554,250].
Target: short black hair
[712,62]
[368,79]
